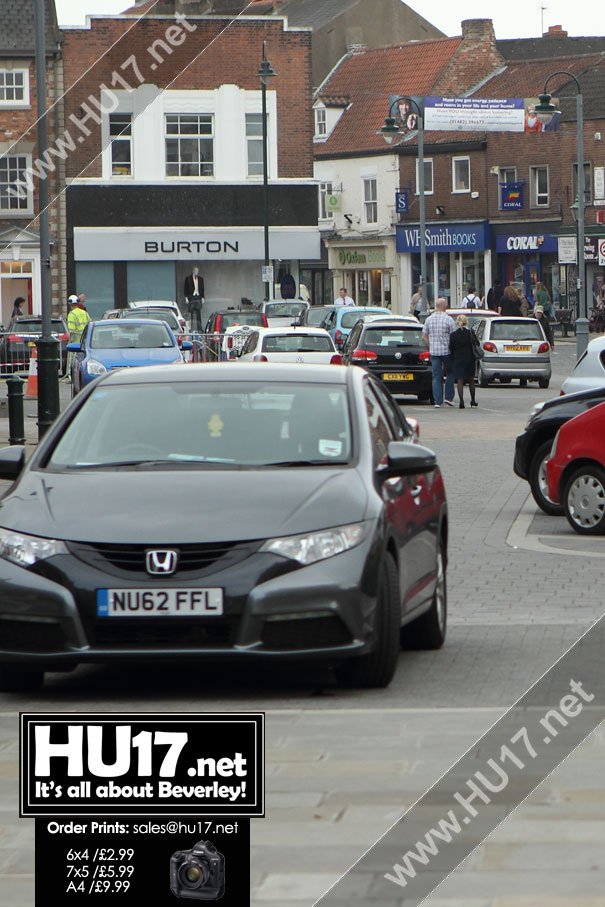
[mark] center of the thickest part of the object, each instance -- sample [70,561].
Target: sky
[512,18]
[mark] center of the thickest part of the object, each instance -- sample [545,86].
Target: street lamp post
[545,111]
[265,72]
[390,132]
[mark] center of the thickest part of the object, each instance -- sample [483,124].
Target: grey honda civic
[223,511]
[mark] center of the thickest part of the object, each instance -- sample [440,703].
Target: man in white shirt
[343,298]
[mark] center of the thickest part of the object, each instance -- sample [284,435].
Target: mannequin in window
[194,297]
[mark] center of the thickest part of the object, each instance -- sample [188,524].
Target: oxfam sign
[362,258]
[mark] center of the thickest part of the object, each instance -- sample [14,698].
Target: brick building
[165,116]
[19,237]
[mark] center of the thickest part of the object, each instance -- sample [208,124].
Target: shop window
[461,174]
[15,193]
[587,183]
[370,200]
[14,87]
[538,178]
[95,280]
[189,144]
[321,128]
[120,133]
[149,280]
[428,177]
[254,143]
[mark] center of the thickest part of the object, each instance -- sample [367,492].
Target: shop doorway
[15,280]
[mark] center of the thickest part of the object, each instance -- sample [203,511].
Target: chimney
[481,30]
[555,31]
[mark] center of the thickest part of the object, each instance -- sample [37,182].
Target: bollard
[16,424]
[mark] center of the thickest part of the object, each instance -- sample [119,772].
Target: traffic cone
[31,389]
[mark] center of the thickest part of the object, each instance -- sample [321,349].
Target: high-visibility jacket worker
[77,320]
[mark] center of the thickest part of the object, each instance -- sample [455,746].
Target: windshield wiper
[289,463]
[173,460]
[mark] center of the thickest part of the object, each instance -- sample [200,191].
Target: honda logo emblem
[162,561]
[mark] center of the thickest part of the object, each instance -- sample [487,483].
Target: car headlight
[534,412]
[95,368]
[317,546]
[26,550]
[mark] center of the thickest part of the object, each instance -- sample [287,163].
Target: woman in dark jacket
[463,360]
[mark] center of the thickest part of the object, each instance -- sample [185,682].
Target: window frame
[28,208]
[22,102]
[122,139]
[321,123]
[370,204]
[427,161]
[455,160]
[256,139]
[326,187]
[588,176]
[180,137]
[533,186]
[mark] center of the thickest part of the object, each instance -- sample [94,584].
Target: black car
[394,351]
[18,341]
[532,447]
[178,514]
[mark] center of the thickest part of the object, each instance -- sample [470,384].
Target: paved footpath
[342,766]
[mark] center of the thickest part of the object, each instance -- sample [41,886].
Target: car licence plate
[159,602]
[397,376]
[517,349]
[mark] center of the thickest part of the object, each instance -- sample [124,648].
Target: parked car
[303,345]
[217,324]
[283,312]
[513,348]
[134,545]
[589,370]
[533,445]
[394,351]
[315,315]
[127,343]
[344,317]
[18,341]
[472,315]
[161,304]
[575,471]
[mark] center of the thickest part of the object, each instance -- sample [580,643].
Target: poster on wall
[486,115]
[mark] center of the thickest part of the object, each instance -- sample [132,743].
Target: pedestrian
[463,359]
[471,300]
[543,299]
[540,316]
[419,305]
[77,320]
[17,310]
[524,305]
[510,303]
[494,295]
[436,332]
[343,298]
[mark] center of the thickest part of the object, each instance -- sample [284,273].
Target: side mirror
[185,345]
[12,461]
[73,347]
[407,459]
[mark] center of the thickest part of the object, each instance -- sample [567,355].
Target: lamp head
[266,71]
[545,110]
[390,130]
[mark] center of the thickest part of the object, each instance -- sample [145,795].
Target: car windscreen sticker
[215,426]
[330,448]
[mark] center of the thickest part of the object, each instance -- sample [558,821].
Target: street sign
[267,273]
[602,251]
[402,202]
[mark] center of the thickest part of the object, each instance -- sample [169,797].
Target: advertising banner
[445,238]
[512,196]
[474,114]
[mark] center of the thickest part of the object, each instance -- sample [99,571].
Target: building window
[587,183]
[505,175]
[320,121]
[15,194]
[189,144]
[254,142]
[14,87]
[370,200]
[325,189]
[428,177]
[120,133]
[538,178]
[461,174]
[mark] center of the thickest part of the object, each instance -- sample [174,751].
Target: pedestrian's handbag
[477,351]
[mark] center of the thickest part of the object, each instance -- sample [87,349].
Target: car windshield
[136,337]
[35,326]
[298,343]
[317,314]
[349,319]
[195,425]
[516,330]
[393,337]
[230,319]
[284,309]
[165,315]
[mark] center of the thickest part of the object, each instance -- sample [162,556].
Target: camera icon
[198,873]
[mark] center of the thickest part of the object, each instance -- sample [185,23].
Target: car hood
[158,507]
[124,357]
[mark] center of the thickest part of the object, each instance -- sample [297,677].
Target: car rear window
[393,337]
[284,309]
[134,337]
[516,330]
[316,315]
[185,424]
[297,343]
[35,327]
[165,315]
[351,318]
[229,319]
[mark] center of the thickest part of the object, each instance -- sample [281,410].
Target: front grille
[306,633]
[31,636]
[165,633]
[192,557]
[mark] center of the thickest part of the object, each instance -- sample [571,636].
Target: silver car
[513,348]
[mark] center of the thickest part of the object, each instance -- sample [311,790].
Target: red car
[575,471]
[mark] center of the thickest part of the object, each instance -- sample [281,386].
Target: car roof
[247,311]
[225,373]
[302,329]
[484,313]
[597,344]
[153,303]
[119,322]
[391,319]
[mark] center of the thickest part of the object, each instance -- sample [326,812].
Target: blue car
[344,317]
[107,345]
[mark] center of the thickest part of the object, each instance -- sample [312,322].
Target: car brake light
[544,347]
[490,347]
[336,359]
[364,356]
[218,324]
[264,320]
[230,342]
[14,338]
[260,358]
[64,338]
[179,339]
[561,393]
[425,356]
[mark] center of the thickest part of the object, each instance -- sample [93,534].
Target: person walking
[436,332]
[419,306]
[77,320]
[471,300]
[540,316]
[343,298]
[543,298]
[463,359]
[494,295]
[510,303]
